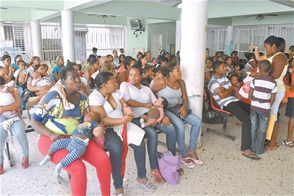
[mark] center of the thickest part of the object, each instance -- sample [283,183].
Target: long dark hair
[168,69]
[102,78]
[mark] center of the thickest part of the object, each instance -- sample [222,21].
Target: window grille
[12,39]
[244,36]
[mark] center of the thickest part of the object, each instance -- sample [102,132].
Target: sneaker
[187,162]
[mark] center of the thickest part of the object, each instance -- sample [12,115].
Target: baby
[235,83]
[155,114]
[77,143]
[6,91]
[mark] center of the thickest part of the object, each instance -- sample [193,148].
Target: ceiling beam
[289,3]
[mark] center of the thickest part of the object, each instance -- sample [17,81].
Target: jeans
[242,111]
[259,122]
[152,140]
[18,131]
[113,144]
[195,123]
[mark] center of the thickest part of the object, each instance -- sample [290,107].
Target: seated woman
[53,122]
[39,84]
[85,87]
[56,69]
[17,126]
[106,101]
[92,71]
[141,99]
[173,88]
[123,71]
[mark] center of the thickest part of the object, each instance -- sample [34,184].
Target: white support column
[229,40]
[36,39]
[68,41]
[193,45]
[178,35]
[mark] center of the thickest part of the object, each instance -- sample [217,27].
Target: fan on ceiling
[260,17]
[102,16]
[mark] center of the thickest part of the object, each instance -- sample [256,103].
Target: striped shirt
[213,85]
[263,88]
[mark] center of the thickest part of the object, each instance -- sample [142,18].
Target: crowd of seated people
[119,90]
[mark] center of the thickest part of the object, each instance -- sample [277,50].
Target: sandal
[25,162]
[119,192]
[286,143]
[157,176]
[1,169]
[196,160]
[147,185]
[187,161]
[180,171]
[251,156]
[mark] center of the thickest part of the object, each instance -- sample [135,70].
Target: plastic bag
[169,166]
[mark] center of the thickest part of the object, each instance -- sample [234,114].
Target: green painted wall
[137,40]
[168,31]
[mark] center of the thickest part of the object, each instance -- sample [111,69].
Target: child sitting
[77,144]
[156,75]
[39,77]
[155,114]
[262,95]
[146,75]
[22,76]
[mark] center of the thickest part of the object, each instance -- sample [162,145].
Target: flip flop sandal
[180,171]
[251,156]
[147,185]
[286,143]
[157,176]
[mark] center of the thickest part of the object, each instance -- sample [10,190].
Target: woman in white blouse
[141,99]
[106,101]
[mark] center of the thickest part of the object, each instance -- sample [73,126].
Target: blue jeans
[191,119]
[18,131]
[113,144]
[259,122]
[152,140]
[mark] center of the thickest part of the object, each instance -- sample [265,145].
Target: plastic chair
[225,115]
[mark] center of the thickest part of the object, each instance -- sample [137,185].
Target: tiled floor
[225,171]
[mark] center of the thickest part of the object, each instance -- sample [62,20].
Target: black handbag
[175,109]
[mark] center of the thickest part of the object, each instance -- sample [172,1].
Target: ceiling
[118,12]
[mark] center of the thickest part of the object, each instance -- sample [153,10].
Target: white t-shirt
[84,81]
[143,95]
[135,133]
[7,99]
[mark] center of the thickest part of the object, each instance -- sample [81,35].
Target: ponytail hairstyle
[102,78]
[168,69]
